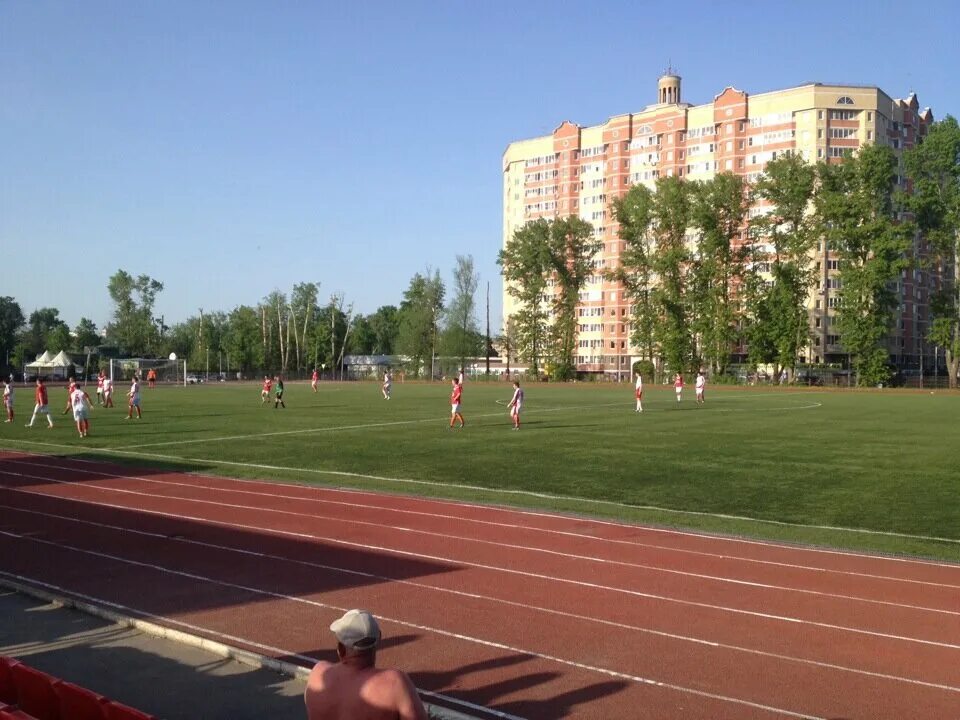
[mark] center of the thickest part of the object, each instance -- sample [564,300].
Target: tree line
[704,273]
[293,331]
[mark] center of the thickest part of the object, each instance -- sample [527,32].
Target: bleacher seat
[8,691]
[78,703]
[119,711]
[35,693]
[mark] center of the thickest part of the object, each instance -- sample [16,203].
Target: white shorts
[135,400]
[41,409]
[515,410]
[80,414]
[679,390]
[699,391]
[454,408]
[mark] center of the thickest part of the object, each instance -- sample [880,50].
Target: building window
[819,114]
[845,100]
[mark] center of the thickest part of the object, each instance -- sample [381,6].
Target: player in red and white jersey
[71,386]
[678,385]
[455,397]
[313,379]
[516,403]
[133,399]
[42,405]
[700,387]
[387,384]
[100,376]
[8,399]
[80,403]
[638,392]
[265,392]
[107,392]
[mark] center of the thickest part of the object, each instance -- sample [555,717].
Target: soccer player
[151,378]
[107,392]
[71,386]
[100,376]
[8,399]
[516,402]
[700,387]
[638,393]
[387,381]
[455,404]
[42,407]
[80,401]
[134,398]
[279,395]
[265,392]
[678,386]
[313,379]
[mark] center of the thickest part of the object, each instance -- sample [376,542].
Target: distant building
[579,170]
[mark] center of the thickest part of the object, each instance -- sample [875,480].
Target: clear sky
[232,148]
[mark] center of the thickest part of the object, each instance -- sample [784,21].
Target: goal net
[165,371]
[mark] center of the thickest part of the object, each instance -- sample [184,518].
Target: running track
[532,615]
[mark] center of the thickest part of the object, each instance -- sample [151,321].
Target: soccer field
[867,470]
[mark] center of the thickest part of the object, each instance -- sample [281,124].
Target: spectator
[353,688]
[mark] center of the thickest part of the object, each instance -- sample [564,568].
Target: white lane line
[306,431]
[458,518]
[495,568]
[306,660]
[440,419]
[552,497]
[415,626]
[475,596]
[467,538]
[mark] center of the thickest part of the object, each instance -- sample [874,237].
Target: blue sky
[229,149]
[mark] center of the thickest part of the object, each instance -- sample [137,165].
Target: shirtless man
[354,689]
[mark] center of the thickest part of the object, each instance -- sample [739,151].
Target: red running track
[531,615]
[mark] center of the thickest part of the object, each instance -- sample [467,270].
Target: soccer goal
[164,371]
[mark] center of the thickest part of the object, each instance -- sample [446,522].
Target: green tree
[572,247]
[363,337]
[11,320]
[242,340]
[385,323]
[46,331]
[634,214]
[133,299]
[460,333]
[856,206]
[303,312]
[85,334]
[719,211]
[671,217]
[782,239]
[420,313]
[934,170]
[525,263]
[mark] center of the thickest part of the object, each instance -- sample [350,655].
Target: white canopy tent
[47,365]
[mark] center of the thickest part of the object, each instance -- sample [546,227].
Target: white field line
[510,526]
[414,626]
[551,496]
[494,568]
[486,598]
[307,660]
[434,419]
[476,521]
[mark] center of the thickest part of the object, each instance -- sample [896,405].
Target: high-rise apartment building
[579,170]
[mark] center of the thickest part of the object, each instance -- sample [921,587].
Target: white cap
[357,629]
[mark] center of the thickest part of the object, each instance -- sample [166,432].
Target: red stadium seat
[35,693]
[8,690]
[119,711]
[77,703]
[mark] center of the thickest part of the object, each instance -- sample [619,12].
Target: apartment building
[579,170]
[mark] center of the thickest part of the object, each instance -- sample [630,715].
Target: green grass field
[817,467]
